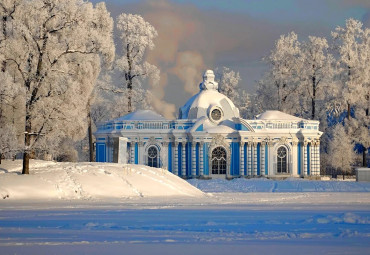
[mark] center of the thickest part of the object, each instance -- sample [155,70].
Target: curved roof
[276,115]
[199,104]
[142,115]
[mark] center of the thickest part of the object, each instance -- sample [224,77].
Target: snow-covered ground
[88,181]
[94,208]
[288,185]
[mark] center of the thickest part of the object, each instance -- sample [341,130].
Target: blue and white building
[210,140]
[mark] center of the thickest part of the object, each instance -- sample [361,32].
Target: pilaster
[183,159]
[193,159]
[241,168]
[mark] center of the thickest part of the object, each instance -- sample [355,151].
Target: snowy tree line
[329,82]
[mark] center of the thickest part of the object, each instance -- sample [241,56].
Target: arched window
[153,157]
[219,161]
[282,160]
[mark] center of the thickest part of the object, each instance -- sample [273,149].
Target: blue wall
[299,159]
[170,157]
[266,159]
[137,153]
[101,152]
[258,159]
[197,158]
[205,159]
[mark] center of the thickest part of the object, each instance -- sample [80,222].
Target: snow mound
[288,185]
[51,180]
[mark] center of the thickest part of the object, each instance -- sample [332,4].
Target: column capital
[193,143]
[176,143]
[140,143]
[295,142]
[241,143]
[263,143]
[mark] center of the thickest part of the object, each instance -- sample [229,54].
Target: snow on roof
[201,101]
[276,115]
[142,115]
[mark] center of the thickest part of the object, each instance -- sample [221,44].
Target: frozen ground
[229,221]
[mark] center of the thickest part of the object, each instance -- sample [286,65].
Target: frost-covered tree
[316,76]
[135,37]
[228,84]
[352,45]
[341,154]
[9,144]
[54,53]
[282,80]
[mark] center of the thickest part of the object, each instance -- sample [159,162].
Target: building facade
[210,140]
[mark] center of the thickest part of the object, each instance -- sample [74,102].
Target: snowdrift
[52,180]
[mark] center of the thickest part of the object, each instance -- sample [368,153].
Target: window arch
[282,160]
[153,156]
[219,161]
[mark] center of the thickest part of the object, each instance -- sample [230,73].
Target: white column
[263,147]
[141,155]
[318,158]
[122,150]
[304,150]
[132,156]
[183,159]
[164,155]
[249,156]
[271,157]
[255,159]
[293,169]
[201,160]
[241,167]
[314,158]
[176,158]
[193,159]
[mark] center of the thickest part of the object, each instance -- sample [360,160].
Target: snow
[288,185]
[142,115]
[276,115]
[198,104]
[106,215]
[89,181]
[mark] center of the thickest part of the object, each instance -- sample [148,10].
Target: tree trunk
[313,100]
[91,145]
[348,111]
[1,155]
[27,143]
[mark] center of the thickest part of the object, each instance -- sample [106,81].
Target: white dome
[142,115]
[202,103]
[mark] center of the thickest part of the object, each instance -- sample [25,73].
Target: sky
[196,35]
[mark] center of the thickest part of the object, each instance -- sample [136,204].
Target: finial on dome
[209,81]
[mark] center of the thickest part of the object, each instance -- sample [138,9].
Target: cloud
[188,68]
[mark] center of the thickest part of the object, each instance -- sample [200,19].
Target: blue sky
[195,35]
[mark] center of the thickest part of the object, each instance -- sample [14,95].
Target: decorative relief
[152,140]
[283,140]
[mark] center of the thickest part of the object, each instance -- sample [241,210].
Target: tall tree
[282,78]
[55,52]
[136,36]
[316,75]
[352,45]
